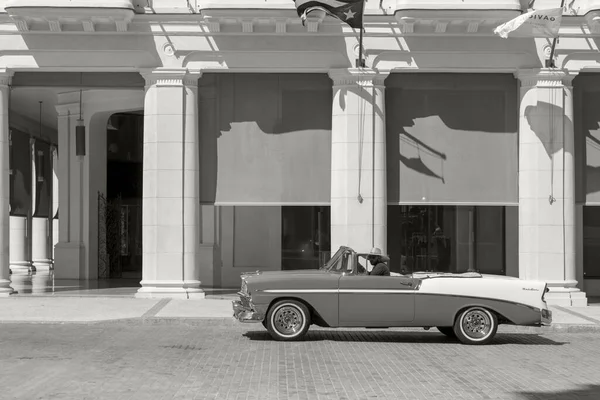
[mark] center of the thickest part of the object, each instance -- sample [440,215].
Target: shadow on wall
[416,163]
[546,121]
[590,392]
[258,131]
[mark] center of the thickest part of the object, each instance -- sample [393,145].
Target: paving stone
[220,360]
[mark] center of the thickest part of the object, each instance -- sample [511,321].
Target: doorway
[121,207]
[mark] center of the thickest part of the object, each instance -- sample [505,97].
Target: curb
[208,321]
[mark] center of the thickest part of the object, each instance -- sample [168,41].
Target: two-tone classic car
[467,306]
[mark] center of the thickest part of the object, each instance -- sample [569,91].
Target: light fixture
[40,153]
[80,128]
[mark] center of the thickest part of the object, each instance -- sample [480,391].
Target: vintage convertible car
[467,306]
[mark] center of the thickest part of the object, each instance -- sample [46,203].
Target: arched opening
[120,209]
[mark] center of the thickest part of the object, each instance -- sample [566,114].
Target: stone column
[5,288]
[54,211]
[358,160]
[40,227]
[20,235]
[69,251]
[547,184]
[171,186]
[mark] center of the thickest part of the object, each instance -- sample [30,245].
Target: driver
[378,261]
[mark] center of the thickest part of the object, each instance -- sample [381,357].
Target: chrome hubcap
[288,320]
[476,324]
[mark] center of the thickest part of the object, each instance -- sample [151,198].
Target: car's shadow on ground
[366,336]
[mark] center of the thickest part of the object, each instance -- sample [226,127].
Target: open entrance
[120,209]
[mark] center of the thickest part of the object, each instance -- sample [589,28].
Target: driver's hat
[376,251]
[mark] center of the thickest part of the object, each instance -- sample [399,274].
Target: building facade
[182,142]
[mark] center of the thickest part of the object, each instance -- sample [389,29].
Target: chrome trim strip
[403,291]
[395,291]
[300,291]
[339,291]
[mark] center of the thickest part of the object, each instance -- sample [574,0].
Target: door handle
[406,283]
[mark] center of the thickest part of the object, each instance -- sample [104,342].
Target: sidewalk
[79,302]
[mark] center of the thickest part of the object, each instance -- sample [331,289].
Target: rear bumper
[244,312]
[546,317]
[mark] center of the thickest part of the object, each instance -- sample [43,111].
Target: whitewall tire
[288,320]
[476,326]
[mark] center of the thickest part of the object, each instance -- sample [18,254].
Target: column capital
[65,110]
[165,77]
[358,76]
[545,77]
[5,76]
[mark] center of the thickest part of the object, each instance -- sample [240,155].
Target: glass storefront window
[447,238]
[305,240]
[272,238]
[591,241]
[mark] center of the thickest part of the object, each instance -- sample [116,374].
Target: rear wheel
[476,325]
[288,320]
[447,330]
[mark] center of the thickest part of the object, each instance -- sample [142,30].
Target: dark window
[447,238]
[591,241]
[305,242]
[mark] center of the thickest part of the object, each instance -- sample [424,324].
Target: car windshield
[327,266]
[341,263]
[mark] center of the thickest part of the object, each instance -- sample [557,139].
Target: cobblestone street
[226,360]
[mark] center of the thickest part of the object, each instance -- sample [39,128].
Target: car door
[366,300]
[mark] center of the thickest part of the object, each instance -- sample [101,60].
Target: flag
[536,23]
[348,11]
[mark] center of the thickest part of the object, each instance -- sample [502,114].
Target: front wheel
[288,320]
[476,325]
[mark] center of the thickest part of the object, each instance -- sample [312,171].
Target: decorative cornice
[165,77]
[54,25]
[245,20]
[358,76]
[82,13]
[545,78]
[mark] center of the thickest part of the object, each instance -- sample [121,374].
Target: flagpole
[359,62]
[550,61]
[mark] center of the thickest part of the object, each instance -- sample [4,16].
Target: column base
[42,265]
[68,260]
[42,282]
[565,294]
[5,289]
[21,282]
[188,290]
[21,267]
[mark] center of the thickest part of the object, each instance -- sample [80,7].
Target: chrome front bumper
[244,312]
[546,318]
